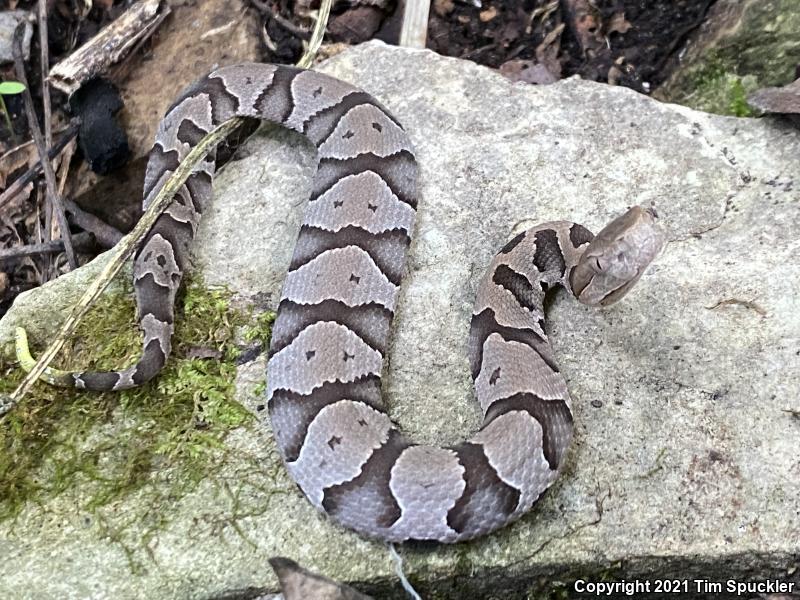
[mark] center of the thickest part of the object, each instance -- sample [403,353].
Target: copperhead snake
[332,329]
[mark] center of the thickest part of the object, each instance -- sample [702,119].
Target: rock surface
[685,458]
[742,46]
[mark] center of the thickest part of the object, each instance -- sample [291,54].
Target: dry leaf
[487,15]
[16,158]
[443,7]
[298,583]
[355,25]
[784,100]
[527,71]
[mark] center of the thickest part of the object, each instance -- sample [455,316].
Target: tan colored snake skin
[332,330]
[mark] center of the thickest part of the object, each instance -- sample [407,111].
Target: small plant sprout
[9,88]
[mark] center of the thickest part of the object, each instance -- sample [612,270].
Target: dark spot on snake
[347,356]
[518,285]
[377,127]
[248,81]
[317,92]
[597,403]
[346,501]
[383,248]
[338,203]
[495,376]
[544,285]
[398,171]
[301,409]
[310,354]
[334,441]
[484,324]
[348,135]
[579,235]
[548,255]
[362,422]
[554,417]
[485,496]
[355,278]
[189,133]
[161,260]
[512,243]
[372,207]
[260,407]
[370,321]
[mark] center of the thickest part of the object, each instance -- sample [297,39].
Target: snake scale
[332,329]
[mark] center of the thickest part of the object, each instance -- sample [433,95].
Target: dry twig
[49,175]
[109,46]
[414,31]
[81,240]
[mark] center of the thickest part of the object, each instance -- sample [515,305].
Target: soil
[635,37]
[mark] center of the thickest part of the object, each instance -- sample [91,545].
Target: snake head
[615,259]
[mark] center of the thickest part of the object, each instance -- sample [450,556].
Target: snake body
[332,329]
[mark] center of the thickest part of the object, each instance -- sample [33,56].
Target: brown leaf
[356,25]
[527,71]
[585,22]
[16,158]
[298,583]
[487,15]
[443,7]
[784,100]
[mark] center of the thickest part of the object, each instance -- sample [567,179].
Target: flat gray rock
[685,460]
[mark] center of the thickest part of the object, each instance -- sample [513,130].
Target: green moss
[157,441]
[718,89]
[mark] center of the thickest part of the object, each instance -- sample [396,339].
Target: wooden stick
[109,46]
[81,240]
[49,175]
[414,31]
[106,235]
[44,63]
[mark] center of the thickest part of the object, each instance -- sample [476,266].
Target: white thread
[398,568]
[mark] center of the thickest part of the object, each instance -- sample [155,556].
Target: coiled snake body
[332,329]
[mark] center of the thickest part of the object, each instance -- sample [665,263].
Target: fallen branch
[106,235]
[82,240]
[109,46]
[414,31]
[36,133]
[44,64]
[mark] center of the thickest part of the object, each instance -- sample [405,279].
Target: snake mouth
[617,294]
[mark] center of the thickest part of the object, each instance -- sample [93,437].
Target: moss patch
[157,441]
[718,89]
